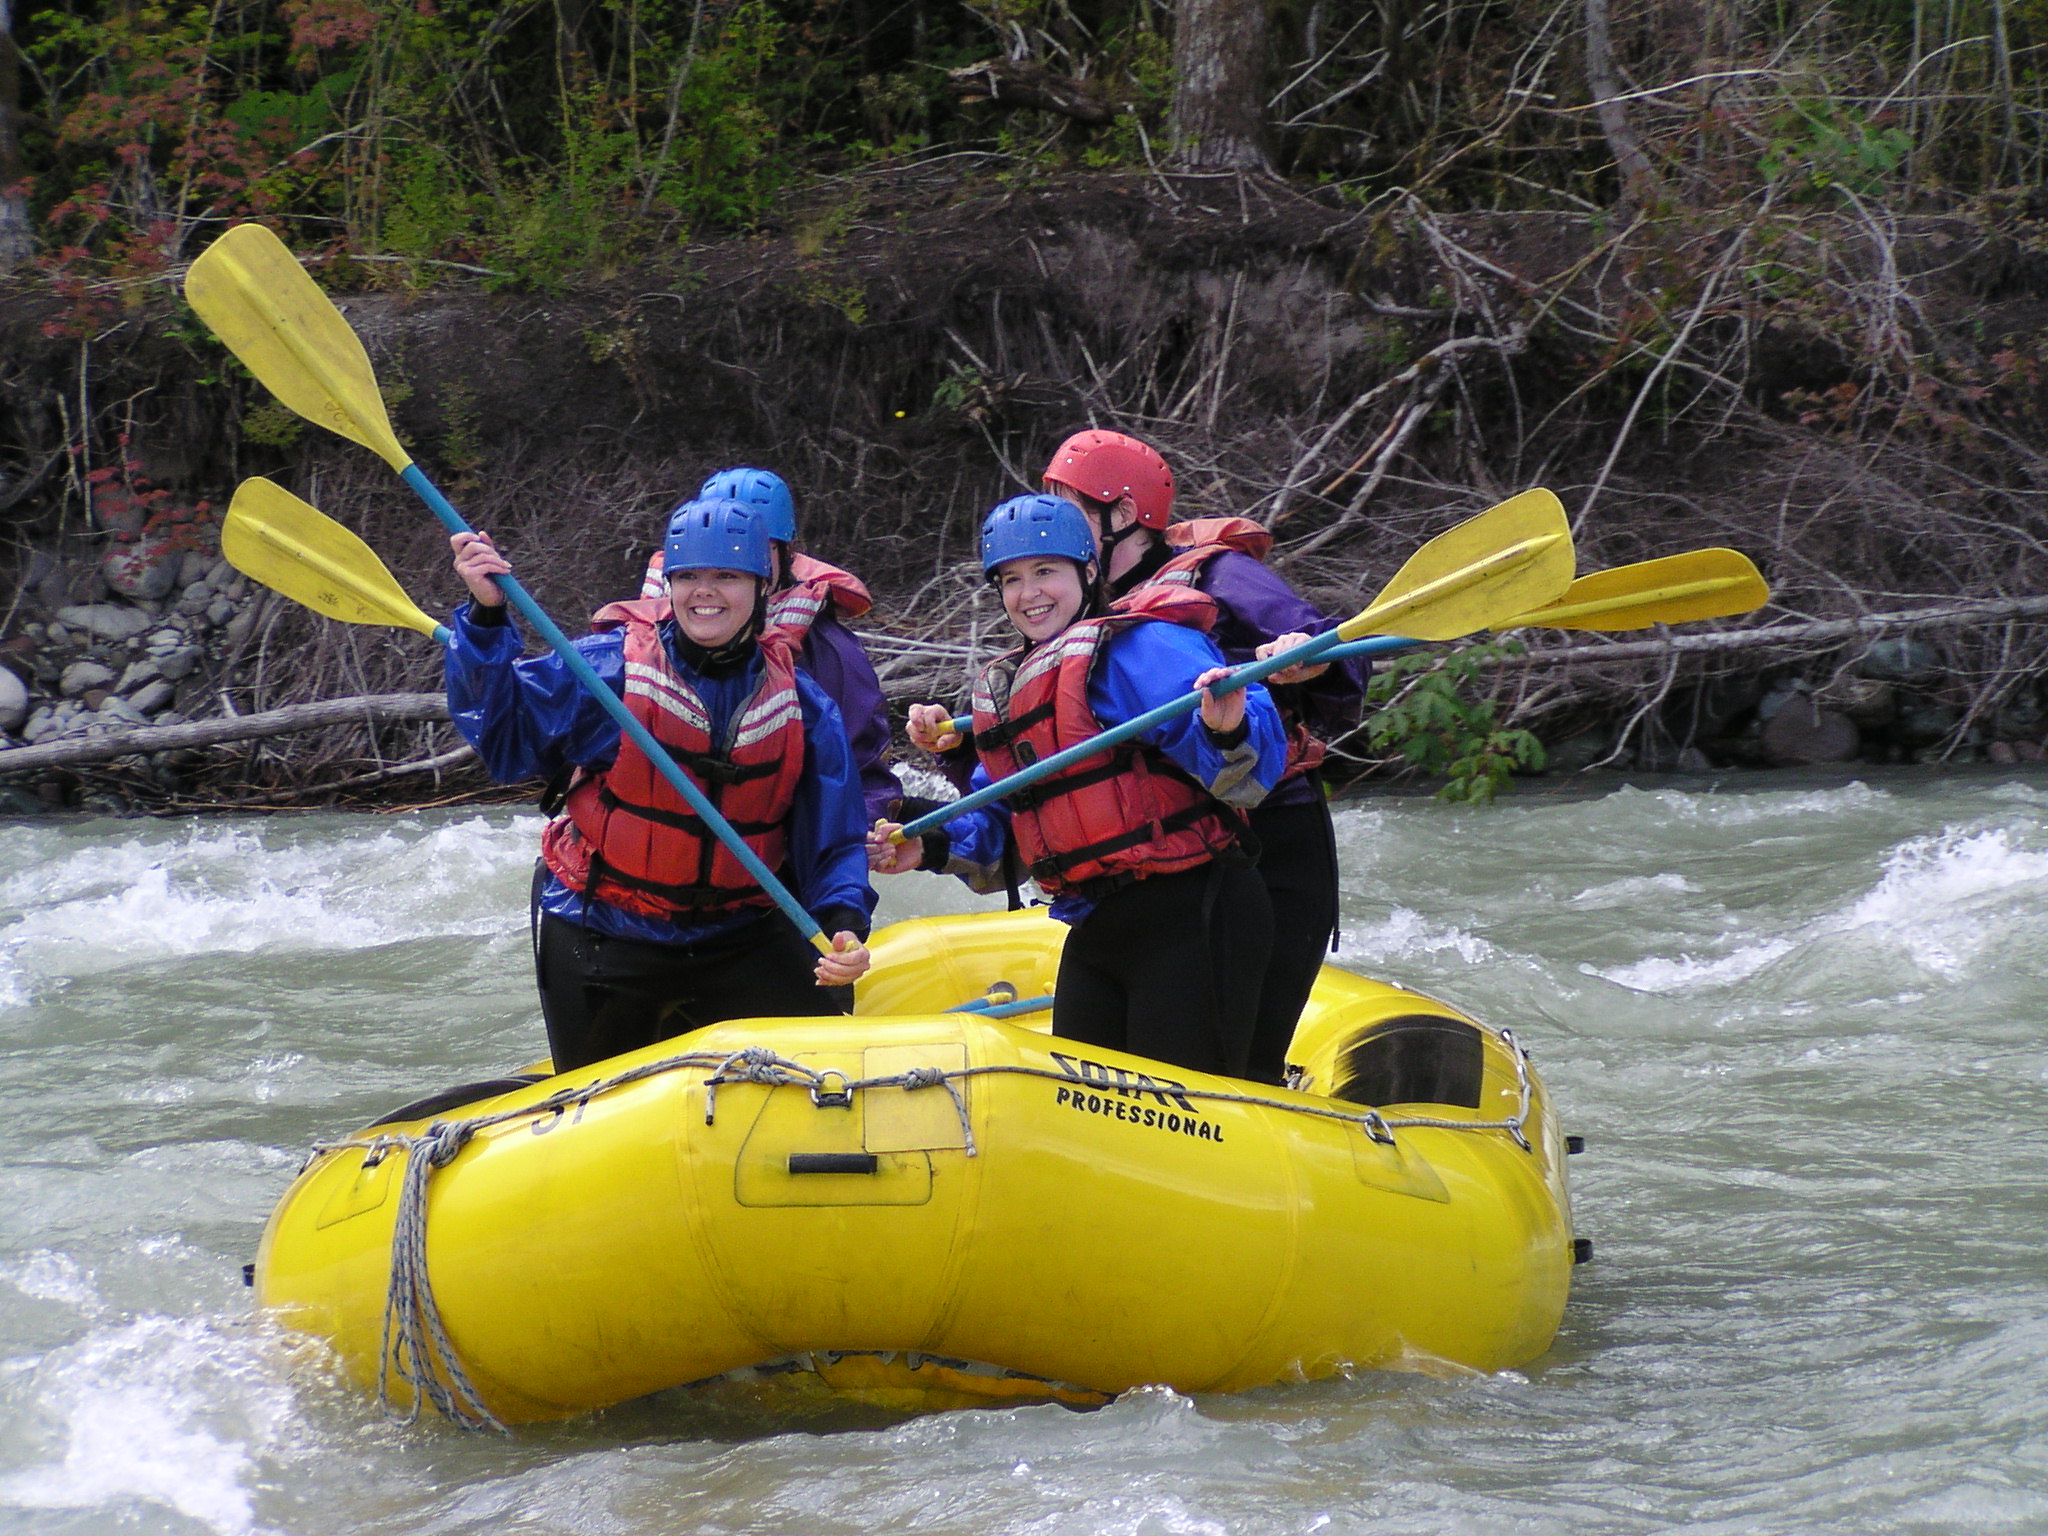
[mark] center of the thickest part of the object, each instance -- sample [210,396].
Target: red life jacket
[1197,542]
[1122,815]
[628,838]
[815,586]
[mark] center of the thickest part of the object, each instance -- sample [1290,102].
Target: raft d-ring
[827,1097]
[1376,1128]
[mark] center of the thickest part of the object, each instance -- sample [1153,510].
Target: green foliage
[1423,709]
[1818,146]
[272,424]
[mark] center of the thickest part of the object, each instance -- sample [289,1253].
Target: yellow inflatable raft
[936,1207]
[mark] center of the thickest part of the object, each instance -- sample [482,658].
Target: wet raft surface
[1802,1030]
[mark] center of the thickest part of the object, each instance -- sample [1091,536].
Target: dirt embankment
[1855,406]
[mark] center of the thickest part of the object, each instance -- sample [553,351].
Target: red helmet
[1108,465]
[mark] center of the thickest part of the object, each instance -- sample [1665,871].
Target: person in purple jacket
[1126,490]
[806,596]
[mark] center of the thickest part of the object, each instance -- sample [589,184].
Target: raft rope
[416,1347]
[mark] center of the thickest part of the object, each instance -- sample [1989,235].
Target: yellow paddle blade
[292,547]
[1700,584]
[254,295]
[1507,560]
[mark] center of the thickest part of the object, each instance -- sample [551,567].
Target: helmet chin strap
[1112,537]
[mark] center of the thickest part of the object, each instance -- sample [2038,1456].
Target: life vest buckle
[824,1096]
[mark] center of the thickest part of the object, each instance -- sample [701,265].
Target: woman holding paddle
[1141,847]
[1125,489]
[646,924]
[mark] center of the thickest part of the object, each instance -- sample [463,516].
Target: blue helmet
[1035,525]
[759,489]
[715,535]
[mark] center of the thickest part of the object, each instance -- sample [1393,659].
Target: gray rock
[194,566]
[1921,724]
[220,610]
[178,664]
[13,700]
[153,697]
[1900,658]
[40,723]
[81,675]
[138,673]
[1802,733]
[33,631]
[146,571]
[119,712]
[57,635]
[1782,691]
[108,621]
[1579,752]
[166,639]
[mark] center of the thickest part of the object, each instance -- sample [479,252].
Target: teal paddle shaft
[1372,645]
[1137,725]
[615,706]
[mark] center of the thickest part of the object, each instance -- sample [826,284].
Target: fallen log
[1007,83]
[1820,631]
[366,709]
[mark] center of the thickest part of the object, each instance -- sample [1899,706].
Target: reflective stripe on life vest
[1124,814]
[626,837]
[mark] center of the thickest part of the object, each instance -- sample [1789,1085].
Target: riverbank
[905,344]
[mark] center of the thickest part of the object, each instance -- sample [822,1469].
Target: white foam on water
[229,891]
[165,1412]
[1750,808]
[1633,887]
[1407,934]
[1937,902]
[1659,973]
[159,915]
[45,1275]
[1934,897]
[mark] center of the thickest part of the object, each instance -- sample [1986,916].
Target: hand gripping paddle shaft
[1507,560]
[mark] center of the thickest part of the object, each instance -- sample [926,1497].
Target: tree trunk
[1639,183]
[16,246]
[1218,118]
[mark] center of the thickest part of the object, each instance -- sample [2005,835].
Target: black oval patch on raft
[1417,1058]
[454,1098]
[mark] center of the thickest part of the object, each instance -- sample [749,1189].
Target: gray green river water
[1805,1033]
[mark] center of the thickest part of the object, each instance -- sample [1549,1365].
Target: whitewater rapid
[1803,1030]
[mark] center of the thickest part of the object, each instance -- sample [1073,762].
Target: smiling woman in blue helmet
[646,926]
[812,600]
[1142,849]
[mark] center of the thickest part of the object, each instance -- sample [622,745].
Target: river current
[1805,1033]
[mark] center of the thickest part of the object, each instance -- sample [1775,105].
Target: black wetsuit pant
[603,996]
[1298,862]
[1170,967]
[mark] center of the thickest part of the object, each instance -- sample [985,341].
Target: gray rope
[416,1347]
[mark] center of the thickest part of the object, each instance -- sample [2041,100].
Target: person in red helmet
[1138,846]
[1126,490]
